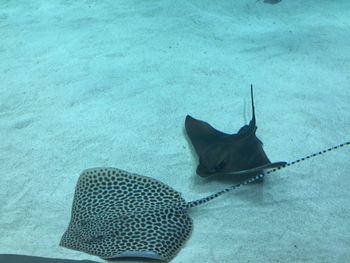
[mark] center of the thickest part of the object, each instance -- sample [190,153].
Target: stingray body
[120,214]
[241,153]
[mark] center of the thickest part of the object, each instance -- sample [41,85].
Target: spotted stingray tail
[253,179]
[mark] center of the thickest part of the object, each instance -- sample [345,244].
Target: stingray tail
[257,177]
[253,107]
[217,194]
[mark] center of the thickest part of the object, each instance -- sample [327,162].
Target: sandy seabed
[109,83]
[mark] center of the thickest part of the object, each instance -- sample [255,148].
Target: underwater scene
[174,131]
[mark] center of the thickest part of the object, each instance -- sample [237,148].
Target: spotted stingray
[120,214]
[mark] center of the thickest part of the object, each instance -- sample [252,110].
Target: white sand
[109,83]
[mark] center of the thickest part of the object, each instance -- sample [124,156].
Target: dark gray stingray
[221,153]
[120,214]
[272,2]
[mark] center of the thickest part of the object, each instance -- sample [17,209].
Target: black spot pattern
[115,212]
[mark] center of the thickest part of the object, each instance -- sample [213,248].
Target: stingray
[220,153]
[117,214]
[272,2]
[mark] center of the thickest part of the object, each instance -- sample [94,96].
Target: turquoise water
[109,83]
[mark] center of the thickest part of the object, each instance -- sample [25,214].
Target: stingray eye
[219,167]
